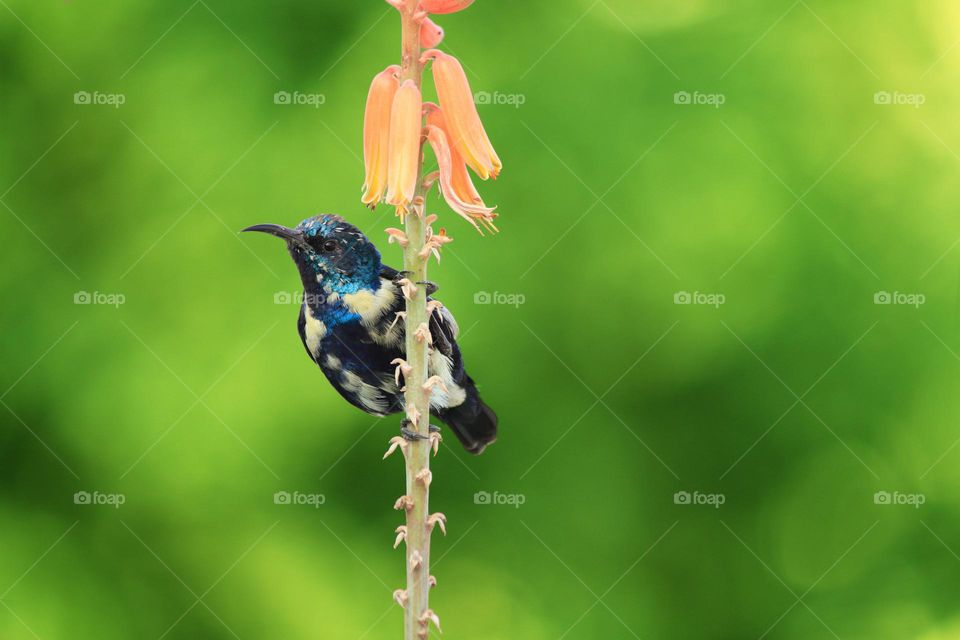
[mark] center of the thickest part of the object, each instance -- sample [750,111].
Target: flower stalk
[417,611]
[398,126]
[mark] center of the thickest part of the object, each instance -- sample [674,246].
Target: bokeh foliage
[797,399]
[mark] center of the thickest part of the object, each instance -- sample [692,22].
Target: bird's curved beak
[278,230]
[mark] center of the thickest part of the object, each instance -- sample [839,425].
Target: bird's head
[331,254]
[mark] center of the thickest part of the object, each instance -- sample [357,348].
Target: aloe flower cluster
[398,124]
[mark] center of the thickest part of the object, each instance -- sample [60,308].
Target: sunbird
[349,327]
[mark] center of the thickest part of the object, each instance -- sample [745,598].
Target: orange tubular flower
[376,134]
[460,181]
[470,208]
[466,130]
[404,152]
[444,6]
[431,34]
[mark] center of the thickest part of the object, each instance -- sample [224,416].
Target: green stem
[418,452]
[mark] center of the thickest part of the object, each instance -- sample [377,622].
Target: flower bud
[444,6]
[431,34]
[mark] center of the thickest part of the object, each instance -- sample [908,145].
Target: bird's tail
[473,422]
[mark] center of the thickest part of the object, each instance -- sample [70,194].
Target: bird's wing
[443,327]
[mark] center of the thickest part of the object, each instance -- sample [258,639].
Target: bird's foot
[409,434]
[432,287]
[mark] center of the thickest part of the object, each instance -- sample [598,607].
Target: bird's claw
[432,287]
[403,503]
[409,434]
[400,597]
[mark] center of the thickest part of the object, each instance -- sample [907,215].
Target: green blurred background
[827,176]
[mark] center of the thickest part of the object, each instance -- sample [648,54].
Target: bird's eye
[330,246]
